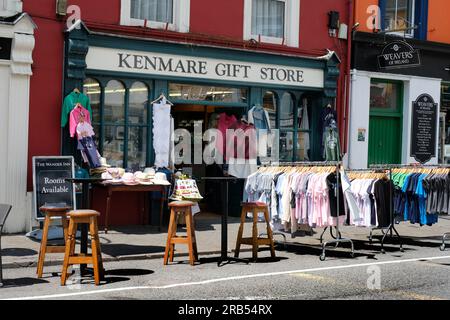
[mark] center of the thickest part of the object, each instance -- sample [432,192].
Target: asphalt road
[420,273]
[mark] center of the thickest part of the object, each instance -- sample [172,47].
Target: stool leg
[169,236]
[94,242]
[255,235]
[174,234]
[65,225]
[240,232]
[43,249]
[188,217]
[99,250]
[70,239]
[193,236]
[269,232]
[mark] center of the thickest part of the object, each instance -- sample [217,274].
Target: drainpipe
[347,75]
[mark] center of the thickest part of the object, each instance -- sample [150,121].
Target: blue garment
[405,208]
[89,148]
[420,192]
[260,120]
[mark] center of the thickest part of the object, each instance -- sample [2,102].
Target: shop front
[396,101]
[122,76]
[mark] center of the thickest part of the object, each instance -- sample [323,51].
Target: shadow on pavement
[115,250]
[22,282]
[128,272]
[18,252]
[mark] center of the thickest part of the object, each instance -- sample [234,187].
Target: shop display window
[120,122]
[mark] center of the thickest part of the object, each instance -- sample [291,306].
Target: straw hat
[161,178]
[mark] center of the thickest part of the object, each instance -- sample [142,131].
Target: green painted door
[385,127]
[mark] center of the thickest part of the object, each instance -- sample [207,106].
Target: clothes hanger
[76,90]
[162,96]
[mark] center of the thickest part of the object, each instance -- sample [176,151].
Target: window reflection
[137,111]
[114,110]
[207,93]
[270,104]
[91,88]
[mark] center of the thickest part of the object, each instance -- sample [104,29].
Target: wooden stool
[51,212]
[255,241]
[70,258]
[181,207]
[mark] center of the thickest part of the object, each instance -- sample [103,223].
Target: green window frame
[108,129]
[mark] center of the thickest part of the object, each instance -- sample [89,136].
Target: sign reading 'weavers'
[398,54]
[424,125]
[192,67]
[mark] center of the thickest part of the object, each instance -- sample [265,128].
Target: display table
[224,242]
[111,188]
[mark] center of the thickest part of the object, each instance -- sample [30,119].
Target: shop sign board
[49,184]
[172,65]
[423,130]
[398,54]
[5,48]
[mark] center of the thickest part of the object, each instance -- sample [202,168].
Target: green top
[70,102]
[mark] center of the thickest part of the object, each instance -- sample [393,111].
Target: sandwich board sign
[49,183]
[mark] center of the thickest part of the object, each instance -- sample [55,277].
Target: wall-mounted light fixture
[61,8]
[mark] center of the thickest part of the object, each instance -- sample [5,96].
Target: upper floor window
[158,14]
[399,16]
[10,7]
[272,21]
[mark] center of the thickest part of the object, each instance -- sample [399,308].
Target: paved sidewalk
[145,242]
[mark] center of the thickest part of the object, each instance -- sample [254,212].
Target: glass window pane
[137,148]
[92,89]
[268,18]
[399,14]
[137,111]
[287,111]
[114,111]
[207,93]
[286,146]
[152,10]
[384,96]
[113,145]
[270,104]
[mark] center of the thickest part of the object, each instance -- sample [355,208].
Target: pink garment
[225,122]
[75,116]
[84,129]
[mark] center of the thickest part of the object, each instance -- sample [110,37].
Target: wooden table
[111,188]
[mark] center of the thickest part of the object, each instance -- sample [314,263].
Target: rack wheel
[322,257]
[352,254]
[383,251]
[401,249]
[442,247]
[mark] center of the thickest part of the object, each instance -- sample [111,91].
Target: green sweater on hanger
[70,102]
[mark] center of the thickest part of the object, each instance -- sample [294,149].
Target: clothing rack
[412,166]
[391,228]
[337,239]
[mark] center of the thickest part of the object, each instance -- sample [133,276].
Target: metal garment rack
[412,166]
[391,228]
[337,239]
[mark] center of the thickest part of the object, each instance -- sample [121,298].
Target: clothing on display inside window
[259,117]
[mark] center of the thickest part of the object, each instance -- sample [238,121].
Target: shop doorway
[385,125]
[188,116]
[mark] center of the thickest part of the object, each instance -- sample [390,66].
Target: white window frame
[409,33]
[180,17]
[10,7]
[291,24]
